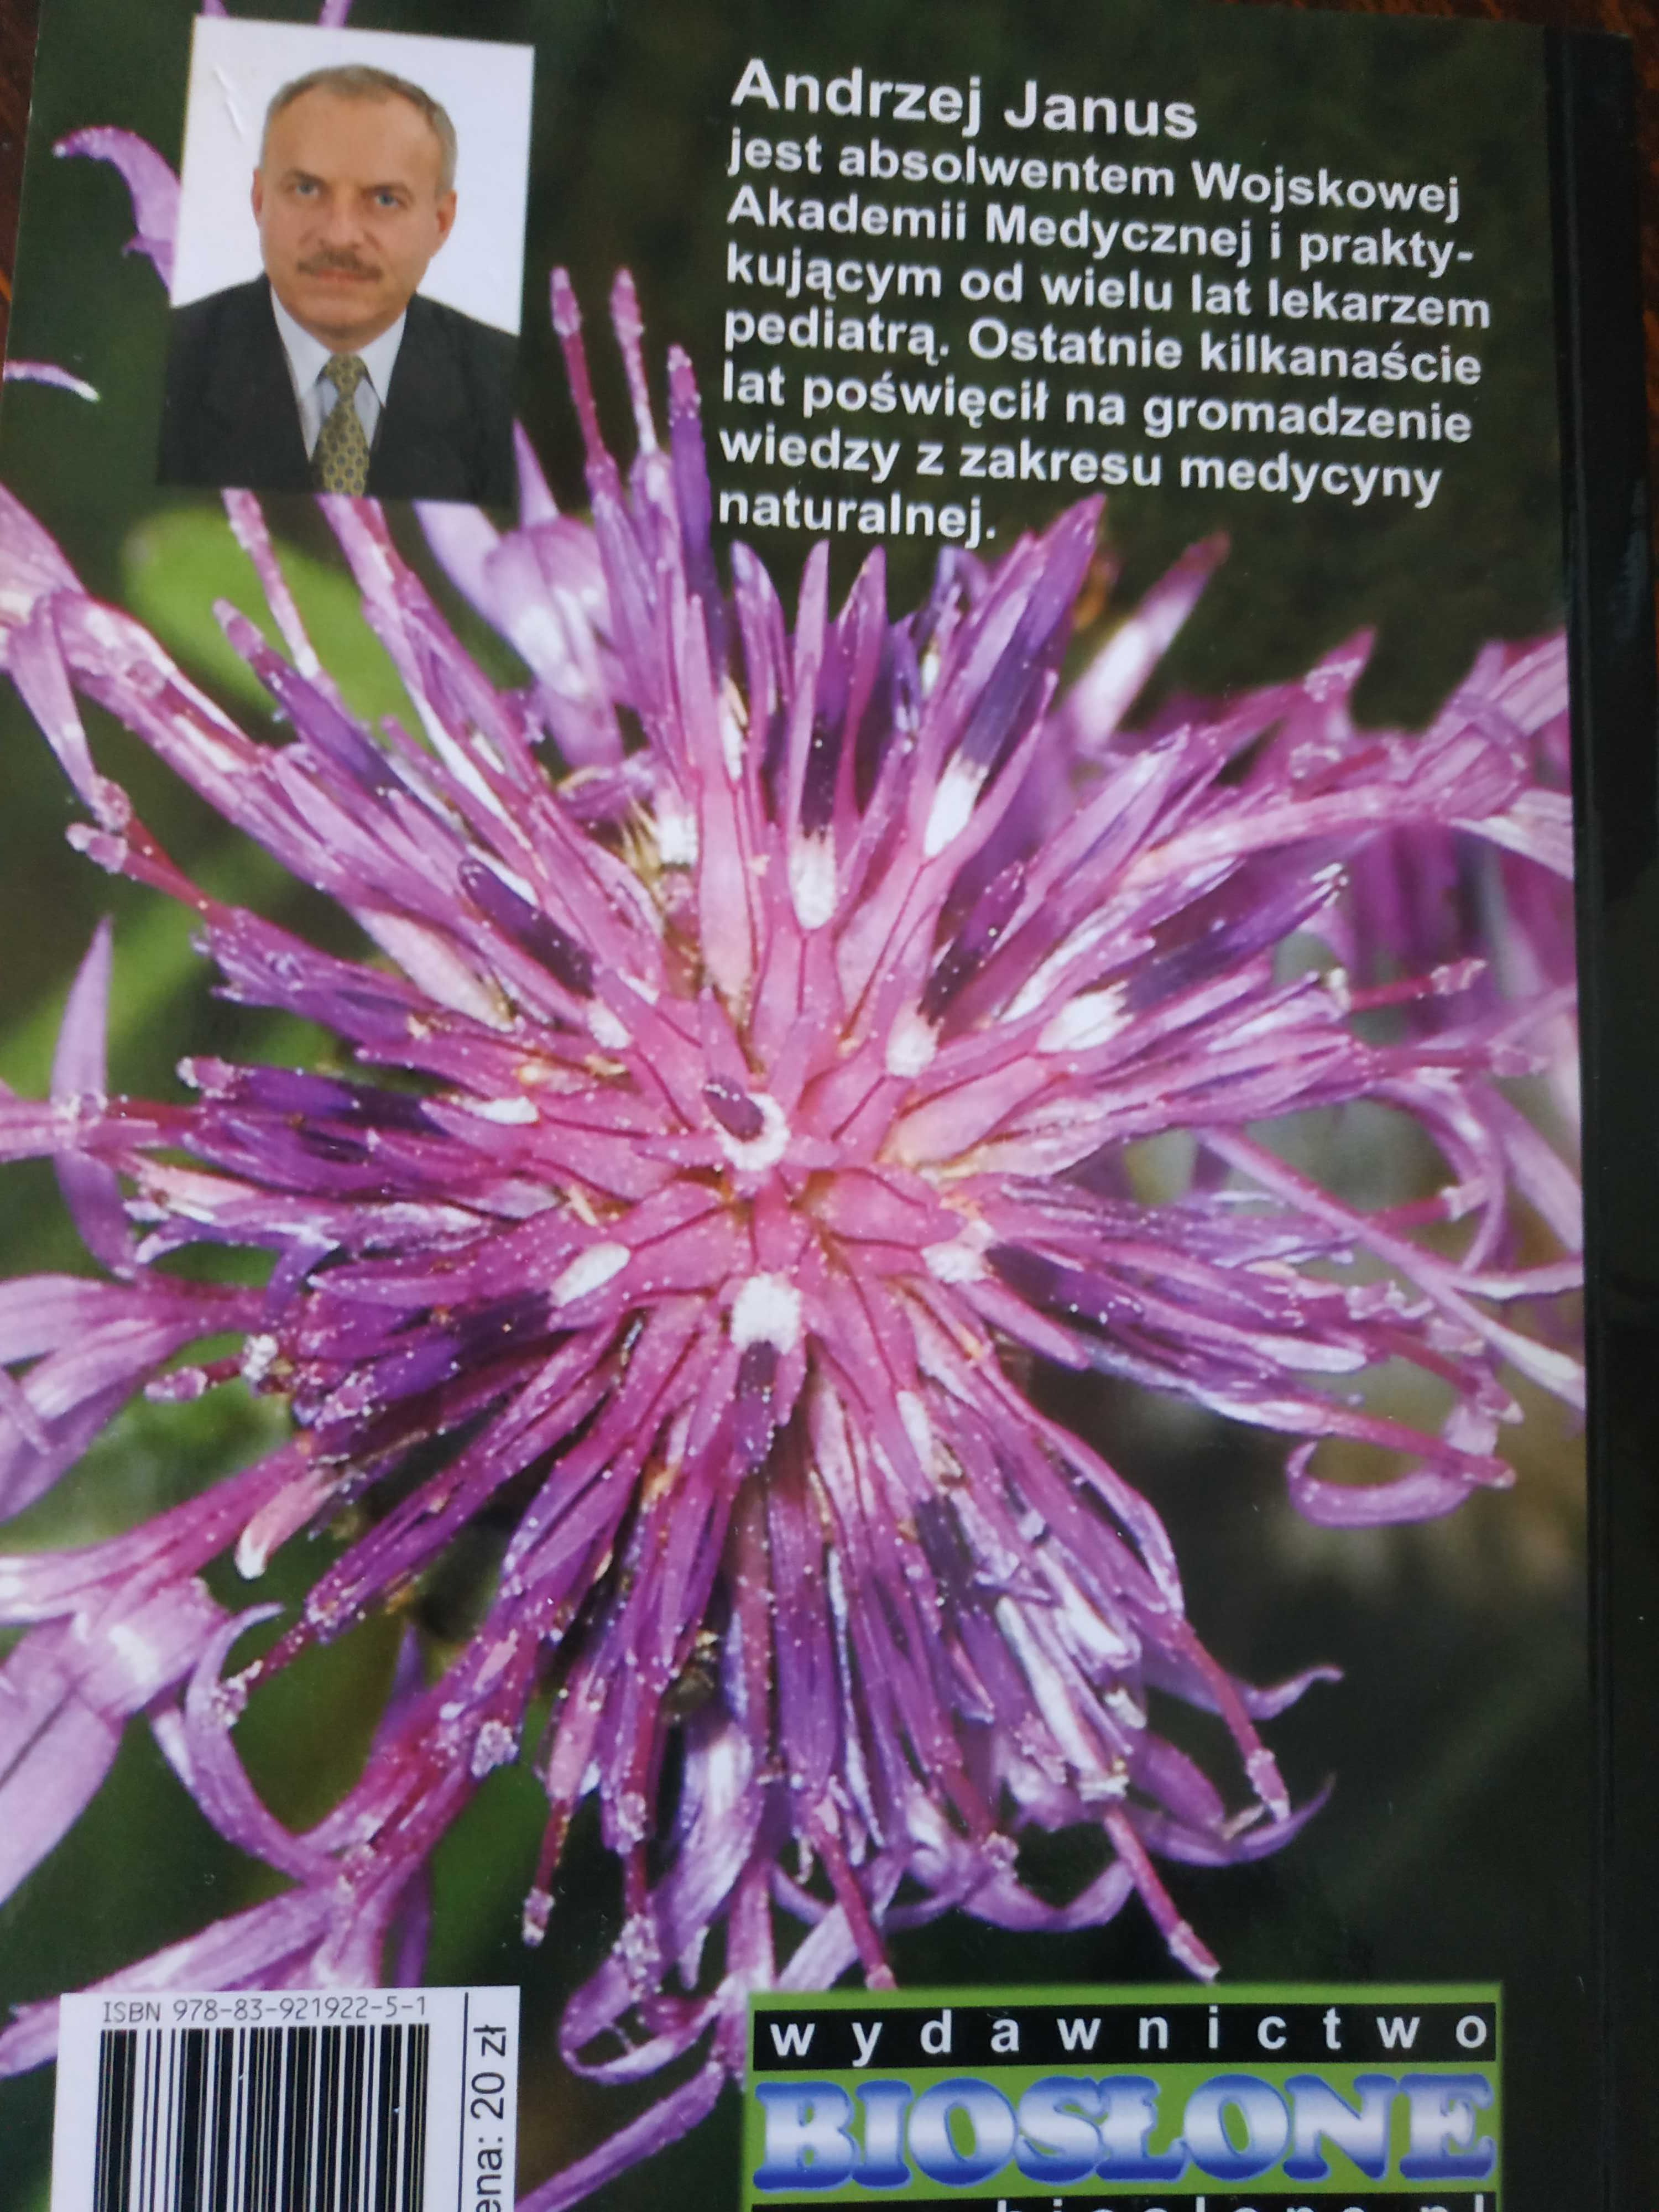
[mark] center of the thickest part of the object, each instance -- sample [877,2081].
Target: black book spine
[1616,780]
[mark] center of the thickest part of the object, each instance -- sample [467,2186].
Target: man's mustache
[330,262]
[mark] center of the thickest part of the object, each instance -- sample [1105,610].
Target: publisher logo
[1378,2099]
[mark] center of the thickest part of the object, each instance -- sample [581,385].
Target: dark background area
[1635,19]
[615,79]
[1459,1740]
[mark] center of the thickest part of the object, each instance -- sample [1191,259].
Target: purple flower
[152,183]
[761,1019]
[1428,904]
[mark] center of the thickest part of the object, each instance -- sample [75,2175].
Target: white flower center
[767,1310]
[590,1272]
[754,1154]
[812,880]
[1091,1019]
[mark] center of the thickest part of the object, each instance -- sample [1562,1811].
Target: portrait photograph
[348,287]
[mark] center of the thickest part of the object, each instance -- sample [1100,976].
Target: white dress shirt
[314,394]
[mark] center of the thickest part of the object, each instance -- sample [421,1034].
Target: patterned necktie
[339,460]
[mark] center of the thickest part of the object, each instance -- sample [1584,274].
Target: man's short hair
[357,81]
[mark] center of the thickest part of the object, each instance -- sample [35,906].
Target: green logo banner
[1337,2098]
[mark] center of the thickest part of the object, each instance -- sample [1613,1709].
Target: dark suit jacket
[229,415]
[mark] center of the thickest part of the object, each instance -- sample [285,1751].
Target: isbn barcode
[262,2119]
[290,2100]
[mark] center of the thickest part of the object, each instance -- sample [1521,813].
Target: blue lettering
[883,2164]
[1058,2138]
[1130,2114]
[1442,2145]
[1320,2115]
[808,2142]
[990,2117]
[1265,2116]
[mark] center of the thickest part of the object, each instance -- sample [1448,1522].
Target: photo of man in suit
[331,372]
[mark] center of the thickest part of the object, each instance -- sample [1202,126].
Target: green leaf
[155,960]
[175,564]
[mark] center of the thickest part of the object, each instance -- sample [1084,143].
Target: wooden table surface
[1637,19]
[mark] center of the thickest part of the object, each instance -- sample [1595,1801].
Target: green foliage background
[1460,1737]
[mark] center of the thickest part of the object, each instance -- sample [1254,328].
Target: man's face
[349,213]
